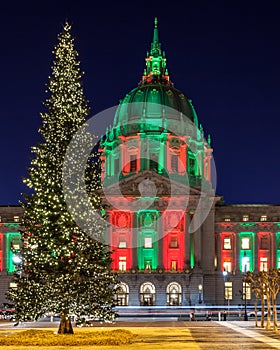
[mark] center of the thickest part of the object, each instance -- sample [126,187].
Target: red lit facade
[174,241]
[121,239]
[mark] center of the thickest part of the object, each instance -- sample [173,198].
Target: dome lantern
[156,71]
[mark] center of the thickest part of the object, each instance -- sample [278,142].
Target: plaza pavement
[235,335]
[211,335]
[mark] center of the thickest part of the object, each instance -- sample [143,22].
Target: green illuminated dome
[156,129]
[155,100]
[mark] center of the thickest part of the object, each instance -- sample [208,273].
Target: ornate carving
[173,220]
[122,220]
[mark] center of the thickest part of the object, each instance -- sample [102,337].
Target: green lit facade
[13,242]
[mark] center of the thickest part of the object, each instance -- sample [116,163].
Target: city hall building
[173,241]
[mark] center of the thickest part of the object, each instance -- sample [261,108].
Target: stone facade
[10,218]
[223,221]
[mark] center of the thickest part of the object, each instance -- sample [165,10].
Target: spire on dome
[156,71]
[155,45]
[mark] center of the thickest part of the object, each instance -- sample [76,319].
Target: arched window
[174,294]
[122,294]
[147,294]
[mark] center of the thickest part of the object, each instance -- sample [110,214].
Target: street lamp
[226,296]
[199,293]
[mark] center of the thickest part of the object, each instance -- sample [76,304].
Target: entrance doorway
[147,294]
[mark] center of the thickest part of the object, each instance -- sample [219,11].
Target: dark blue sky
[224,55]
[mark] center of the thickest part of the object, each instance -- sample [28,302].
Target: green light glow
[191,251]
[147,224]
[12,239]
[11,224]
[249,253]
[247,224]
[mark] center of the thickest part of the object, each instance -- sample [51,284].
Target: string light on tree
[62,269]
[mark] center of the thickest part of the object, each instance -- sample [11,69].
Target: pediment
[150,184]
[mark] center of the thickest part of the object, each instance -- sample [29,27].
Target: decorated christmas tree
[64,269]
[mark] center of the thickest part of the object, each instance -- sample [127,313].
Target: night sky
[224,55]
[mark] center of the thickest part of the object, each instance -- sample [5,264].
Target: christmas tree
[63,268]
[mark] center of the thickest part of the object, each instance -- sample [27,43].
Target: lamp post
[199,293]
[245,289]
[226,296]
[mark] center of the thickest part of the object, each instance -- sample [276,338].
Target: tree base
[65,326]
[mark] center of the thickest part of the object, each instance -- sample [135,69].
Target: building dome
[156,129]
[149,101]
[156,102]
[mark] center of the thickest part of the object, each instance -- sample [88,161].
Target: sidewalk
[248,328]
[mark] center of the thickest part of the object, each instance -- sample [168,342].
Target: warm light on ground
[151,338]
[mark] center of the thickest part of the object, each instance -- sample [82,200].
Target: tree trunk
[268,312]
[256,315]
[65,326]
[275,325]
[262,317]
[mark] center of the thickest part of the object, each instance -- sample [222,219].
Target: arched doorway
[122,294]
[174,294]
[147,294]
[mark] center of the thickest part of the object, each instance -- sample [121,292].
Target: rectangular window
[148,242]
[173,265]
[173,242]
[122,242]
[227,243]
[174,162]
[15,244]
[245,243]
[133,163]
[245,218]
[227,266]
[122,263]
[264,218]
[246,291]
[228,290]
[245,264]
[16,218]
[264,243]
[263,264]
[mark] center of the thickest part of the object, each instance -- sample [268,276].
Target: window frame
[243,245]
[229,243]
[122,263]
[228,290]
[148,242]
